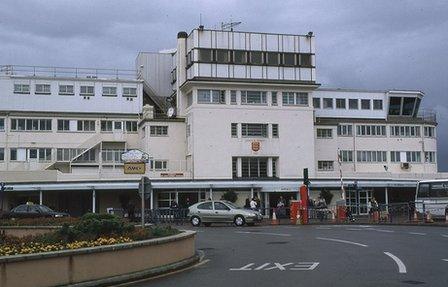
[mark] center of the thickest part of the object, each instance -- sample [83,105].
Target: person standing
[253,204]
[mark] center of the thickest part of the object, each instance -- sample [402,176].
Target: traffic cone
[333,216]
[429,217]
[415,216]
[274,220]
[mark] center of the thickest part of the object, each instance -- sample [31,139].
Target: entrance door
[358,201]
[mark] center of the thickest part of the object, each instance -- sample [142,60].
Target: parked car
[221,212]
[33,210]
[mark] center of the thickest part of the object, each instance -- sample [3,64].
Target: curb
[145,274]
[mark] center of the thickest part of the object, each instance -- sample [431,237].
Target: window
[256,57]
[408,106]
[211,97]
[159,165]
[222,56]
[205,206]
[353,104]
[324,133]
[204,55]
[254,130]
[86,126]
[67,154]
[66,90]
[234,167]
[87,91]
[118,125]
[44,154]
[43,89]
[405,131]
[305,60]
[17,154]
[377,104]
[131,126]
[345,130]
[429,132]
[221,206]
[328,103]
[87,156]
[234,130]
[275,130]
[274,167]
[253,98]
[158,131]
[316,103]
[273,58]
[413,156]
[295,99]
[325,165]
[233,98]
[106,126]
[395,106]
[365,104]
[370,130]
[371,156]
[340,103]
[346,156]
[129,92]
[395,156]
[240,57]
[63,125]
[112,155]
[430,156]
[31,125]
[2,154]
[274,98]
[109,91]
[254,167]
[289,59]
[21,88]
[2,124]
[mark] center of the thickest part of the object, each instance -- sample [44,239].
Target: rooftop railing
[427,115]
[67,72]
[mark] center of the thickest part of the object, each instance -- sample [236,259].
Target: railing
[68,72]
[427,115]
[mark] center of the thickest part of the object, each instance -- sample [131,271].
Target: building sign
[256,145]
[134,168]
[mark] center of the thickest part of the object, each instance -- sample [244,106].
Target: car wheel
[195,221]
[239,220]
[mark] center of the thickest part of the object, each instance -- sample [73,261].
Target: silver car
[208,212]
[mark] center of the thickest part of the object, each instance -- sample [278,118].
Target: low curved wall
[22,231]
[91,266]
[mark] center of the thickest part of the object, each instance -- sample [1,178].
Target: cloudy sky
[377,44]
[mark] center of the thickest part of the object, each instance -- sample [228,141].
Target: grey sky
[360,44]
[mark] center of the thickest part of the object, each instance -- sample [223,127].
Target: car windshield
[231,205]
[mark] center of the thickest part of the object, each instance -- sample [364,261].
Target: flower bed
[90,231]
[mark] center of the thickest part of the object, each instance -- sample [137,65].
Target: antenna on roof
[201,27]
[229,25]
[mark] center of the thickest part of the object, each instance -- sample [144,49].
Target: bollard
[429,217]
[274,220]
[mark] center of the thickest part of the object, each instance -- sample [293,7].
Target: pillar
[386,198]
[151,197]
[41,200]
[251,192]
[93,200]
[266,204]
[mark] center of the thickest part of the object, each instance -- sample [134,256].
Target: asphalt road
[355,255]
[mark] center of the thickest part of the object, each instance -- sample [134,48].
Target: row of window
[69,90]
[69,125]
[353,104]
[249,98]
[380,130]
[254,130]
[242,57]
[381,156]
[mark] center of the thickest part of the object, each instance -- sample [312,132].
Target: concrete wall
[90,264]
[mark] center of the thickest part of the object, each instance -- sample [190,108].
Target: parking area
[320,255]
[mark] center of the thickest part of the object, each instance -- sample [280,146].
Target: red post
[304,198]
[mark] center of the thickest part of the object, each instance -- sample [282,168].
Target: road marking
[445,260]
[244,268]
[417,233]
[263,233]
[401,266]
[342,241]
[384,230]
[268,266]
[323,228]
[354,229]
[445,235]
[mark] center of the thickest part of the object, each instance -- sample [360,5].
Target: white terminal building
[224,110]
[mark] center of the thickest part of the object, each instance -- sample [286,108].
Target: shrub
[230,196]
[40,221]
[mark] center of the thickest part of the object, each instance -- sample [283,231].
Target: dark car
[33,210]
